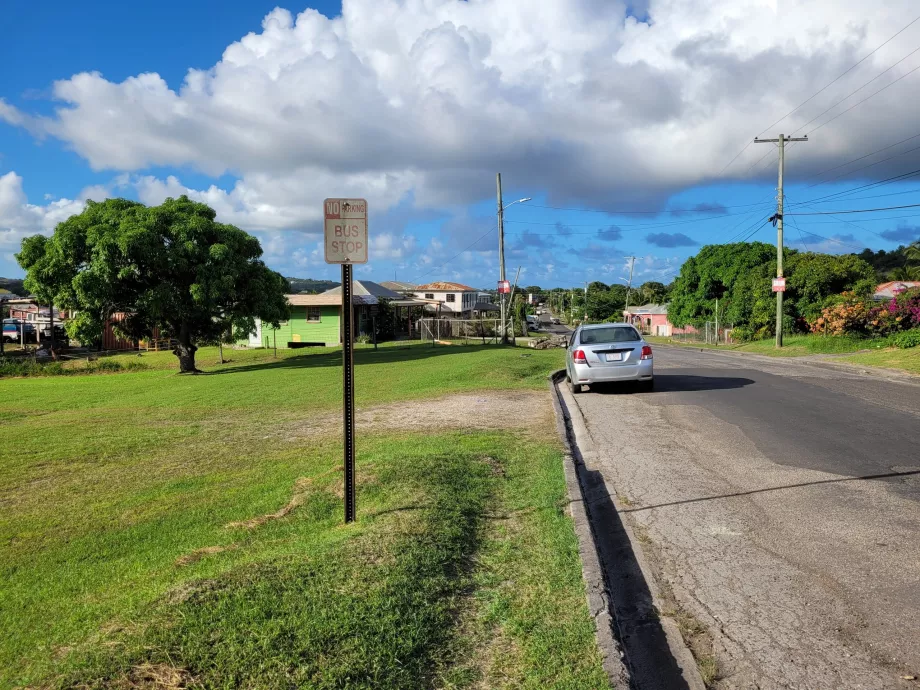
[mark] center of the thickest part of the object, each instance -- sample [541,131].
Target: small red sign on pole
[779,285]
[504,286]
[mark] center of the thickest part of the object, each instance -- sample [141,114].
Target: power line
[858,210]
[819,91]
[832,239]
[842,165]
[852,93]
[906,74]
[624,212]
[879,183]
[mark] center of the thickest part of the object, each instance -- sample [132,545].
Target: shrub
[10,367]
[364,339]
[849,315]
[907,339]
[743,334]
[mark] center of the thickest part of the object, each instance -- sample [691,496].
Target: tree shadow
[383,355]
[675,383]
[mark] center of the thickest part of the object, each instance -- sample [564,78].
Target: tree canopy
[171,267]
[745,270]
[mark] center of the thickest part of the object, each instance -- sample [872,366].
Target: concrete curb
[882,373]
[591,570]
[580,455]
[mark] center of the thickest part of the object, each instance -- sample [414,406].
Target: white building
[454,299]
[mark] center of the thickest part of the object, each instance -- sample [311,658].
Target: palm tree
[913,253]
[906,273]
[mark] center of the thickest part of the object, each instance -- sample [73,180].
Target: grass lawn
[892,358]
[160,528]
[793,345]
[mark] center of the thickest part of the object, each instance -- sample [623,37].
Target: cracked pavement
[781,500]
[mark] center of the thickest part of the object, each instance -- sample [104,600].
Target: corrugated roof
[893,287]
[327,300]
[398,285]
[445,286]
[365,288]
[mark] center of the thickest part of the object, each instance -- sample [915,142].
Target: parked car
[555,321]
[606,353]
[13,331]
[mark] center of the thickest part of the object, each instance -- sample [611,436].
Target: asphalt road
[781,505]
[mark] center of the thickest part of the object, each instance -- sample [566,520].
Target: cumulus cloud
[19,218]
[586,99]
[670,240]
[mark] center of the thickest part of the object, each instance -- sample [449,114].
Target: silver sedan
[606,353]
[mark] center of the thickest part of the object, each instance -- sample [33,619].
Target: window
[608,334]
[451,297]
[314,314]
[429,295]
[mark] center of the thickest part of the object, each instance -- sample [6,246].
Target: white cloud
[430,97]
[19,218]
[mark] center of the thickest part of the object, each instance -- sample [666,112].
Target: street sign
[779,285]
[345,231]
[504,286]
[346,244]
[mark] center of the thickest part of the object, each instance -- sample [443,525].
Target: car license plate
[614,356]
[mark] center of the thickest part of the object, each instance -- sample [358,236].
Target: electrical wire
[626,213]
[879,183]
[822,89]
[852,210]
[906,74]
[842,165]
[853,93]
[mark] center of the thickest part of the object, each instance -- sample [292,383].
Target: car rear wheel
[576,388]
[647,386]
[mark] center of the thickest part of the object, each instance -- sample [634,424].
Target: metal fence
[484,331]
[707,335]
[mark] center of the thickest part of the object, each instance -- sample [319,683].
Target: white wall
[464,301]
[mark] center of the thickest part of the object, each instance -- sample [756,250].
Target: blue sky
[618,121]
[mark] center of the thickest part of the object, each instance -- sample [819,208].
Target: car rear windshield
[613,334]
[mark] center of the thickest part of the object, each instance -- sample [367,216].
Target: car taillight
[646,352]
[579,356]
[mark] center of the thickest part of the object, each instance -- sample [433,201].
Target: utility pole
[501,252]
[632,263]
[585,318]
[778,219]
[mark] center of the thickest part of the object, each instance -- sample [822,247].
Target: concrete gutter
[612,565]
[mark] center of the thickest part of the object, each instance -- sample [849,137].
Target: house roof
[366,288]
[399,285]
[327,300]
[445,286]
[650,309]
[893,287]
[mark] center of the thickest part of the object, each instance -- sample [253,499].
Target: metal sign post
[346,244]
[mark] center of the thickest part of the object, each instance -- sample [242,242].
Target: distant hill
[310,286]
[13,285]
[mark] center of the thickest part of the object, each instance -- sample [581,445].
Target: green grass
[118,557]
[908,360]
[793,345]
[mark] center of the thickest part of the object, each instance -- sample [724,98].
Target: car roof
[607,325]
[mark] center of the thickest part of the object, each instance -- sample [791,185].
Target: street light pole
[501,250]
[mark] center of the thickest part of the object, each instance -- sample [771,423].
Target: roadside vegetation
[187,530]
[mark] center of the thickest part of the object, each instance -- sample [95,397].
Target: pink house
[652,319]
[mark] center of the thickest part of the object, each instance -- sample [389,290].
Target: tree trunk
[185,351]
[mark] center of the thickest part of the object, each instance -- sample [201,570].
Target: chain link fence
[484,331]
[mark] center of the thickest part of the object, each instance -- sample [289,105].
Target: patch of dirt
[198,554]
[482,410]
[154,677]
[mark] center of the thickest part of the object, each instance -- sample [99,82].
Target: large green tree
[746,271]
[170,267]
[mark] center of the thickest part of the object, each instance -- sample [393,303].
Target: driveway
[779,502]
